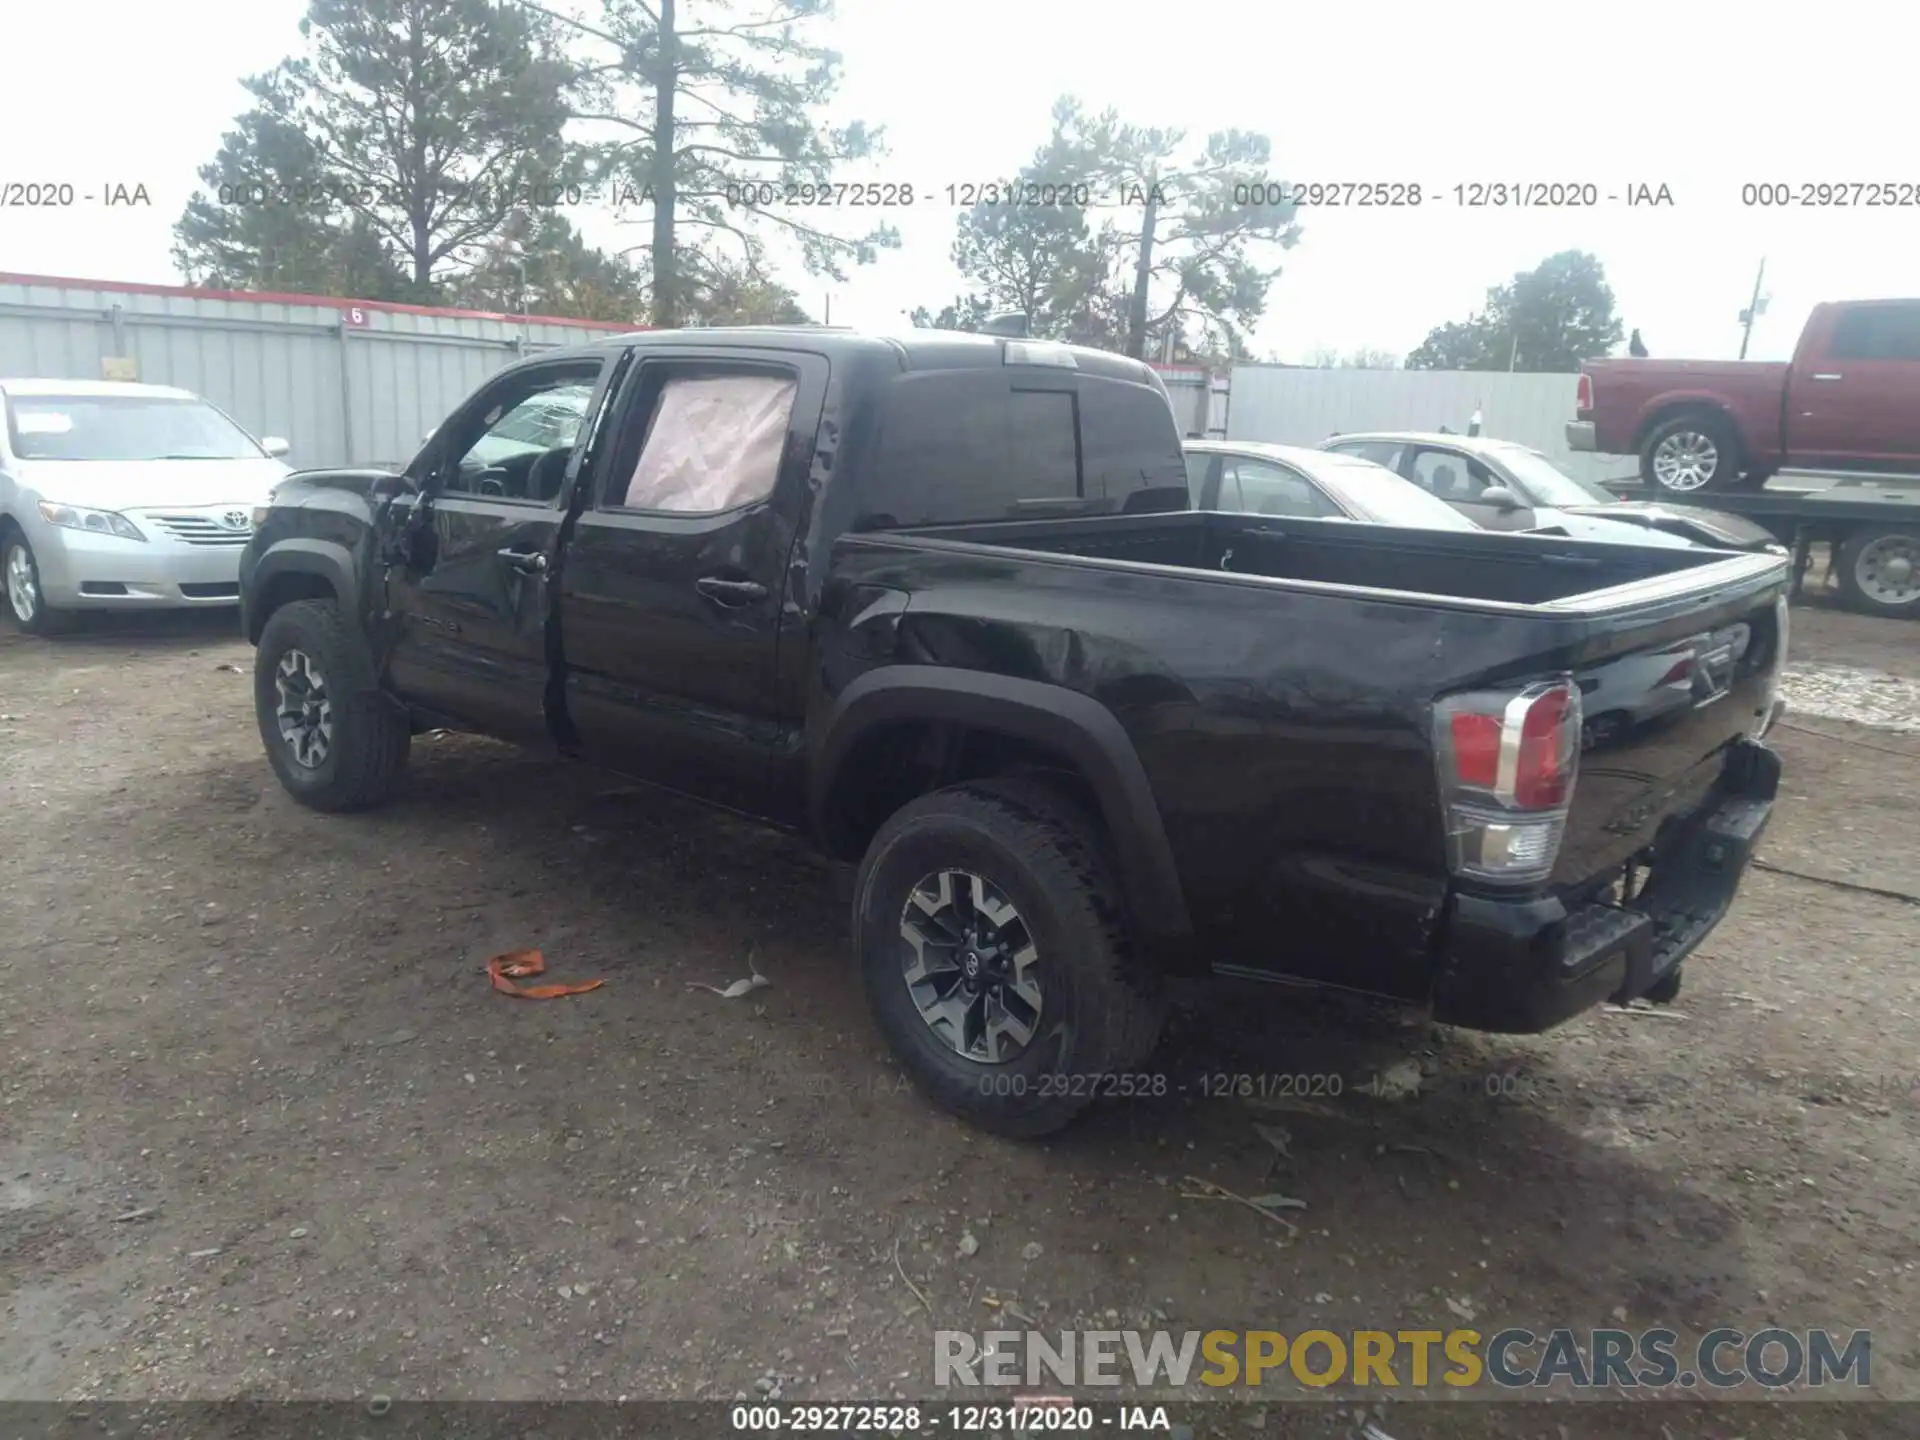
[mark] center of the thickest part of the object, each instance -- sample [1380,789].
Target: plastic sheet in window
[715,443]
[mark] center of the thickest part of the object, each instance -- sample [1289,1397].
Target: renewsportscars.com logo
[1510,1359]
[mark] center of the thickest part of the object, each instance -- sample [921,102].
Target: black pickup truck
[938,603]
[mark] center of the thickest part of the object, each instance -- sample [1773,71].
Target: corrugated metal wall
[1288,406]
[346,382]
[1199,400]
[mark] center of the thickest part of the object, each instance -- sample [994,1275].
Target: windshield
[123,427]
[1546,485]
[1381,495]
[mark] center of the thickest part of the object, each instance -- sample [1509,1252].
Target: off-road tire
[371,734]
[1101,1014]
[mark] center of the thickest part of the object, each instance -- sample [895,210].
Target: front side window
[525,438]
[713,443]
[1878,332]
[123,427]
[1452,477]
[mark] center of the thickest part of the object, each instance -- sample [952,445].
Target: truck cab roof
[910,349]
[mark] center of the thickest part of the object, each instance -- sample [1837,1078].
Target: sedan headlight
[97,522]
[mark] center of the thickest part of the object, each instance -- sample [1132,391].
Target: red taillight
[1583,398]
[1543,774]
[1476,748]
[1507,760]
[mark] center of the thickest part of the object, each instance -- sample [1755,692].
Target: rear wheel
[991,943]
[20,581]
[1879,571]
[1691,453]
[334,740]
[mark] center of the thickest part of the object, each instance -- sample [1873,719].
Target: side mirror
[275,445]
[1499,497]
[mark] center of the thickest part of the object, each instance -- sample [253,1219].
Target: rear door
[471,618]
[1461,481]
[672,587]
[1854,394]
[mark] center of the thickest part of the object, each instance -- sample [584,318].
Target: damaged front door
[471,606]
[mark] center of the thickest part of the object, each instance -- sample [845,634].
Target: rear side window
[1043,442]
[1878,332]
[968,445]
[714,443]
[1199,462]
[1261,488]
[1131,441]
[1380,452]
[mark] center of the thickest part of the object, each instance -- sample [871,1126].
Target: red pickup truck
[1848,400]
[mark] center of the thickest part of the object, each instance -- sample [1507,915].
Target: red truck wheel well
[1673,410]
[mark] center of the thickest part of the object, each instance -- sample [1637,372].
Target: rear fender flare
[1065,721]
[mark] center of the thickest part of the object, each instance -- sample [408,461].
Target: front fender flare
[1062,720]
[325,559]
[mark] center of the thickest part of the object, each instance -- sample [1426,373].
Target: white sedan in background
[1263,479]
[118,496]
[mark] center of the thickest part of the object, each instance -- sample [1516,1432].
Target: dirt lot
[265,1130]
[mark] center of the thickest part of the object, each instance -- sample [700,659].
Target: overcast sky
[1697,95]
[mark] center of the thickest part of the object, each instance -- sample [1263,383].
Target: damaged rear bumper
[1518,966]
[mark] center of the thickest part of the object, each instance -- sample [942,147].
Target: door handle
[527,562]
[1828,375]
[730,592]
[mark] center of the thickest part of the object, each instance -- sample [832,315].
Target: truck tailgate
[1658,715]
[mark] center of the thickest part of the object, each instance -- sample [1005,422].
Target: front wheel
[20,578]
[333,739]
[1690,454]
[1880,572]
[994,954]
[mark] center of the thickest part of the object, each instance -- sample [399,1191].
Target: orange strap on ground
[503,970]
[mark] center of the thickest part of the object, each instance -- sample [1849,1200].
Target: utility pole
[1756,307]
[826,315]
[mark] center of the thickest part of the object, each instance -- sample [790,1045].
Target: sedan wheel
[20,583]
[23,583]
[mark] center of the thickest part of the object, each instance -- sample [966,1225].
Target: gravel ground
[266,1131]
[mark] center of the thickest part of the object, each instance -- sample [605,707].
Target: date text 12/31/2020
[964,194]
[1255,194]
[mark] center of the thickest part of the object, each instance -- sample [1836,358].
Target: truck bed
[1548,575]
